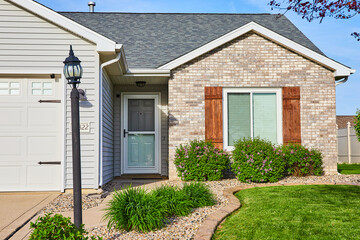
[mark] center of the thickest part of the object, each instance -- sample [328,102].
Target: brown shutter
[213,116]
[291,115]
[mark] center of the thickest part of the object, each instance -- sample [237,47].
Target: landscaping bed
[186,227]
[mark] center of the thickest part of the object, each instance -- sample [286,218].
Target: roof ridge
[169,13]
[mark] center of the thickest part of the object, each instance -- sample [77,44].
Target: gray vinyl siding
[108,130]
[30,43]
[163,89]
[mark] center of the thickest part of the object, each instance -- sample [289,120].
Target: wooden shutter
[291,115]
[213,116]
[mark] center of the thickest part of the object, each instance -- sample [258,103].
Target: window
[252,113]
[42,88]
[10,88]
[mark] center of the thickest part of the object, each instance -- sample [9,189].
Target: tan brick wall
[253,61]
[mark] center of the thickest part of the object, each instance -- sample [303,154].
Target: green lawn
[295,212]
[349,168]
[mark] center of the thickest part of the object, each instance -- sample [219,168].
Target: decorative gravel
[186,227]
[65,203]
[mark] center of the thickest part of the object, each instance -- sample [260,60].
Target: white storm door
[141,134]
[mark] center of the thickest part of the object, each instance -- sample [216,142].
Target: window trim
[277,91]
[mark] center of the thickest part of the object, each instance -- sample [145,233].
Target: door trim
[142,95]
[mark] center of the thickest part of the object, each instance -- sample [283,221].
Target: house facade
[218,77]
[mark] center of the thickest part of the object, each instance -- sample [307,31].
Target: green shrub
[174,200]
[301,161]
[257,160]
[198,194]
[135,209]
[201,161]
[57,227]
[357,124]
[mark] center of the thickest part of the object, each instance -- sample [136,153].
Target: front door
[140,134]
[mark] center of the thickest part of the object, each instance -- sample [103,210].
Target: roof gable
[340,70]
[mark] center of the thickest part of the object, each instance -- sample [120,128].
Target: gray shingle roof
[153,39]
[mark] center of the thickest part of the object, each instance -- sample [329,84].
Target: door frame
[142,95]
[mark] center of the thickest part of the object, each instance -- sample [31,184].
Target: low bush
[135,209]
[198,194]
[201,161]
[57,227]
[174,200]
[257,160]
[300,161]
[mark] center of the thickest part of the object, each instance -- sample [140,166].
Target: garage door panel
[11,146]
[11,116]
[43,117]
[43,146]
[10,175]
[42,175]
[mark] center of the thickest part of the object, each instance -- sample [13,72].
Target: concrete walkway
[17,208]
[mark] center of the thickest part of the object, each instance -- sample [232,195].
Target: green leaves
[300,161]
[201,161]
[357,124]
[136,209]
[257,160]
[57,227]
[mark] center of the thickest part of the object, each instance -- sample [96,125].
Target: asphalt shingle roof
[153,39]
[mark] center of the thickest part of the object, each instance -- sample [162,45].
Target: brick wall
[253,61]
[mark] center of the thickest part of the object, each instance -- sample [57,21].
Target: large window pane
[264,116]
[141,115]
[238,116]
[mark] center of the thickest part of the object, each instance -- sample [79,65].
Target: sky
[332,36]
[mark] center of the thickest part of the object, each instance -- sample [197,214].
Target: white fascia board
[339,69]
[144,72]
[103,44]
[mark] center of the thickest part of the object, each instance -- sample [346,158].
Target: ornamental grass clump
[135,209]
[201,161]
[174,200]
[257,160]
[198,194]
[300,161]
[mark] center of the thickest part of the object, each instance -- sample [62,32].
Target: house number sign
[85,127]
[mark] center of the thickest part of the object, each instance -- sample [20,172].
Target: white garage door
[30,135]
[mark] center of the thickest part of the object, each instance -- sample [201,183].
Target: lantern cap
[71,57]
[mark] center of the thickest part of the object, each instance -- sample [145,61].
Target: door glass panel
[264,107]
[141,150]
[141,115]
[238,116]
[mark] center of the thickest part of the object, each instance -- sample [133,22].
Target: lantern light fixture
[72,68]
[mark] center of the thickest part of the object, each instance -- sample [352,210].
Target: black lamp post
[73,73]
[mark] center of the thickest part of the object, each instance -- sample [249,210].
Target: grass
[345,168]
[295,212]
